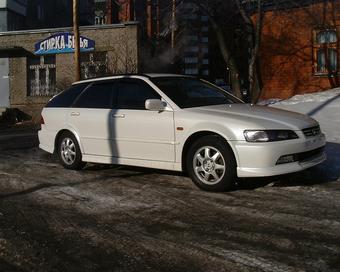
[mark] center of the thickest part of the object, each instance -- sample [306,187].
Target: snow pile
[325,108]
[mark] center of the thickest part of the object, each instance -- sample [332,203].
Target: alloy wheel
[68,151]
[209,165]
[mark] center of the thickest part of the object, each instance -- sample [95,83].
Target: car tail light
[42,121]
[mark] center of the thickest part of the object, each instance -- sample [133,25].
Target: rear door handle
[75,113]
[118,115]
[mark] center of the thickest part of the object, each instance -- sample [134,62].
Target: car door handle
[118,115]
[75,113]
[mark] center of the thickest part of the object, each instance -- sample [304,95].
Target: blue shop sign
[62,43]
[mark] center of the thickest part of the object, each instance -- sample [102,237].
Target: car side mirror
[155,105]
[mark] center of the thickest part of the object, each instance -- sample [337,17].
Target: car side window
[96,96]
[132,94]
[66,98]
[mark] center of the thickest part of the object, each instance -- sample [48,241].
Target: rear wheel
[211,164]
[69,152]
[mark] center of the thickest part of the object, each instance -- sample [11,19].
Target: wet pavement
[114,218]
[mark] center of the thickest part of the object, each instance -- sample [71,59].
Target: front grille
[309,154]
[312,131]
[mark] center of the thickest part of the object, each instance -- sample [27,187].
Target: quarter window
[97,96]
[66,98]
[325,52]
[132,94]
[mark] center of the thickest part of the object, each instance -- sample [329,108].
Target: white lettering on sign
[63,42]
[70,42]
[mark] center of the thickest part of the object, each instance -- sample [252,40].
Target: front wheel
[69,152]
[211,164]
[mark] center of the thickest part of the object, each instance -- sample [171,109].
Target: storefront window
[41,76]
[94,65]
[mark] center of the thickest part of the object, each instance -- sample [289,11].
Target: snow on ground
[325,108]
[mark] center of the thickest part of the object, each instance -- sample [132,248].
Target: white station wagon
[177,123]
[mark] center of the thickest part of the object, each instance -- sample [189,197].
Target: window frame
[50,70]
[139,82]
[325,46]
[66,92]
[113,94]
[92,60]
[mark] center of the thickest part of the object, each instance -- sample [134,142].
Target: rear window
[66,98]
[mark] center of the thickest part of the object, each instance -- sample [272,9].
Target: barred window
[41,76]
[94,64]
[325,52]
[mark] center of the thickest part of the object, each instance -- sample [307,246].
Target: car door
[139,133]
[90,117]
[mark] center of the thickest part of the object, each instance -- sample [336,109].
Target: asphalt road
[109,218]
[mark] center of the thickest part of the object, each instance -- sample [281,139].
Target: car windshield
[189,92]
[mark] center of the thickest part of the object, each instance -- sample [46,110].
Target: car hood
[258,117]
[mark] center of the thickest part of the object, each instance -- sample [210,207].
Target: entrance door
[4,83]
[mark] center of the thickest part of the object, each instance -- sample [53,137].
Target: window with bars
[94,64]
[41,76]
[325,52]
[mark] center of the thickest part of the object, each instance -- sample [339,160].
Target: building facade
[195,51]
[300,49]
[176,38]
[51,14]
[12,17]
[41,63]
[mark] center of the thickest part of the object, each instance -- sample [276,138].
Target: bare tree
[238,33]
[253,31]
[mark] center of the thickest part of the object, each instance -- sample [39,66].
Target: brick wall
[119,41]
[286,56]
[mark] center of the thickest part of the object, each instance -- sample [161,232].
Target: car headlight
[269,135]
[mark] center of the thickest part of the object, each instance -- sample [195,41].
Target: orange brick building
[300,49]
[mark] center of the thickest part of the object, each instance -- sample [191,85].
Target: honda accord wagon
[177,123]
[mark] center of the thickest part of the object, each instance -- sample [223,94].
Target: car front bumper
[260,159]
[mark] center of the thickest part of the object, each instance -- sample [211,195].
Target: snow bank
[325,108]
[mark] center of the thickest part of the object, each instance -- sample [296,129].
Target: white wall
[4,83]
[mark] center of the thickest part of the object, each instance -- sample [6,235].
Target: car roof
[152,75]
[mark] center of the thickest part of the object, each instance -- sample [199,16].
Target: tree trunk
[254,41]
[235,83]
[229,60]
[257,86]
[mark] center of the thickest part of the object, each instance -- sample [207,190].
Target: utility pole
[76,39]
[173,24]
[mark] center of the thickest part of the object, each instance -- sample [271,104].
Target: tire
[211,164]
[69,152]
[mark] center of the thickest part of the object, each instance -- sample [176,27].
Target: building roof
[64,29]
